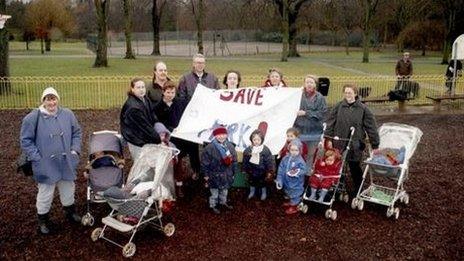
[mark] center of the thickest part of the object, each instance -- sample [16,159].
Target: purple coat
[50,148]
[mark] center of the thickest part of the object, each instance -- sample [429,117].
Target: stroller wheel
[397,213]
[87,220]
[334,215]
[96,234]
[128,250]
[169,229]
[360,205]
[328,213]
[354,203]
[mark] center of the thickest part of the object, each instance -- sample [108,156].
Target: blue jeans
[218,196]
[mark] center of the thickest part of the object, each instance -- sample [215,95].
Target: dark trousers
[190,149]
[356,175]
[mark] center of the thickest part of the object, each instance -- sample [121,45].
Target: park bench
[438,98]
[384,99]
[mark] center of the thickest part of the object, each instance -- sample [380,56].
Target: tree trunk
[48,43]
[101,8]
[446,51]
[155,21]
[5,86]
[347,43]
[285,31]
[370,7]
[127,5]
[293,33]
[199,22]
[42,46]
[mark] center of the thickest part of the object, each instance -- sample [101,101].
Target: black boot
[44,223]
[71,214]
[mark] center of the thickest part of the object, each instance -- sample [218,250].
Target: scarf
[226,156]
[44,111]
[255,151]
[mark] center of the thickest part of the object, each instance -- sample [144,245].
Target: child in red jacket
[326,173]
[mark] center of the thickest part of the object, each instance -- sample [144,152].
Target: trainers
[215,210]
[291,210]
[226,206]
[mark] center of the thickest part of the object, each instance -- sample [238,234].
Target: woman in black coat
[138,119]
[351,112]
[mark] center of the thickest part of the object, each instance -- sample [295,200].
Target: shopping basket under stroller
[104,168]
[388,167]
[337,187]
[144,206]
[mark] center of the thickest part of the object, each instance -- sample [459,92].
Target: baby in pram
[389,156]
[325,173]
[100,159]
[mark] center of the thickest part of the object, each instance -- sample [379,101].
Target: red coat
[320,178]
[284,151]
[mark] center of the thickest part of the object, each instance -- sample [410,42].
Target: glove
[227,160]
[278,185]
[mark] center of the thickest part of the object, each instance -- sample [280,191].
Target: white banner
[272,110]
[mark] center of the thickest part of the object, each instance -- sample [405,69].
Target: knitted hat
[219,130]
[49,91]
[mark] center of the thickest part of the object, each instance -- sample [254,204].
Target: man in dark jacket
[350,112]
[188,82]
[187,85]
[160,77]
[450,73]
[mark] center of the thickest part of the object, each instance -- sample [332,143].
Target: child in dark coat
[291,175]
[219,165]
[258,163]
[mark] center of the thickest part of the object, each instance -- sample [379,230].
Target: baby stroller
[104,168]
[338,186]
[147,172]
[403,139]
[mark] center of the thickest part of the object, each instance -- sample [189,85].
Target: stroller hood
[105,141]
[151,166]
[395,135]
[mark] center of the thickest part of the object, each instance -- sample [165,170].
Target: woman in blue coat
[51,138]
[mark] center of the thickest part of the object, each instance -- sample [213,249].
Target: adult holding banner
[351,112]
[137,119]
[187,85]
[51,139]
[311,116]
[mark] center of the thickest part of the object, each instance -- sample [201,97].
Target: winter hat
[48,91]
[220,130]
[296,142]
[160,128]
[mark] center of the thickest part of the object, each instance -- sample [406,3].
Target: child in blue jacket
[291,175]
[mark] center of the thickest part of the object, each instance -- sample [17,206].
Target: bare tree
[4,67]
[101,8]
[370,8]
[156,14]
[349,21]
[452,13]
[285,30]
[292,10]
[127,8]
[198,12]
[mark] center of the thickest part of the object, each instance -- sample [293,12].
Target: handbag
[23,165]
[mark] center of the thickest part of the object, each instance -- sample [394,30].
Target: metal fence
[101,92]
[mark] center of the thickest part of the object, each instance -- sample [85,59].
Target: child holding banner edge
[219,165]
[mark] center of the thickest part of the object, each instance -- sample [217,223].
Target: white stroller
[393,136]
[147,173]
[104,168]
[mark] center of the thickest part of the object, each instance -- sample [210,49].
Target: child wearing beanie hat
[219,164]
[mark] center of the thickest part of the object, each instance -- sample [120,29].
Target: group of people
[51,138]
